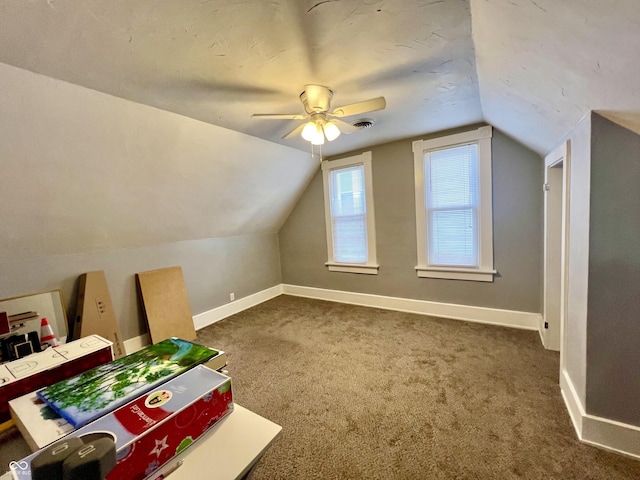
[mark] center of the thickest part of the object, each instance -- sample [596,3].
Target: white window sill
[451,273]
[353,268]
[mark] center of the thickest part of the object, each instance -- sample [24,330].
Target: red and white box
[45,368]
[158,425]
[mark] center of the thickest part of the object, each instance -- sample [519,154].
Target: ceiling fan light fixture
[331,131]
[319,128]
[311,131]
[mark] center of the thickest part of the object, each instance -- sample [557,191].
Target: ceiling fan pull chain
[320,152]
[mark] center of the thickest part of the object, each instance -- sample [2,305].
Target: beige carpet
[371,394]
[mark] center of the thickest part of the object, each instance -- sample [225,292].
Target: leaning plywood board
[95,314]
[165,304]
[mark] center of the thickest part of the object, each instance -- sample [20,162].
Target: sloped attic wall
[94,182]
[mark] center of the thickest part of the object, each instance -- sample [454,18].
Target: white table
[228,451]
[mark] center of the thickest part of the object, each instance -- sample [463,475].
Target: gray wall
[613,319]
[212,268]
[517,205]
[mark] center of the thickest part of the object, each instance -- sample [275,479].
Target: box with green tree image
[98,391]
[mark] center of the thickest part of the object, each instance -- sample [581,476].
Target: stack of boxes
[50,366]
[146,432]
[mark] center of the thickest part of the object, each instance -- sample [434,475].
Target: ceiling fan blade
[280,116]
[295,131]
[344,127]
[371,105]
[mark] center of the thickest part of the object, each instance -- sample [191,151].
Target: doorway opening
[556,216]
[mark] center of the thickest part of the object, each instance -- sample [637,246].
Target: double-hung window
[453,206]
[348,201]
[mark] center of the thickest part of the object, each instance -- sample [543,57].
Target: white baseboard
[597,431]
[212,316]
[136,343]
[216,314]
[492,316]
[572,401]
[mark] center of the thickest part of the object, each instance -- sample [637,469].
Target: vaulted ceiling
[532,68]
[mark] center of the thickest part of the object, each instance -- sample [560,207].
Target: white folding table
[229,451]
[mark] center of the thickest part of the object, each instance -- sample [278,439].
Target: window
[348,203]
[453,206]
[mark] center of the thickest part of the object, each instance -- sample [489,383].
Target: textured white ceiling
[531,68]
[543,64]
[222,60]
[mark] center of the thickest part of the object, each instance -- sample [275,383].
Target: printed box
[96,392]
[40,425]
[53,365]
[155,427]
[37,422]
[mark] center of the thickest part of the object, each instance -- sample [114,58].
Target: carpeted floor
[370,394]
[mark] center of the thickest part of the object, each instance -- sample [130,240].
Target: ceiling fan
[324,123]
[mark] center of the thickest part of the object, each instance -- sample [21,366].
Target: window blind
[451,206]
[348,214]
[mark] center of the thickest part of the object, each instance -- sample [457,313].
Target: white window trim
[371,266]
[485,271]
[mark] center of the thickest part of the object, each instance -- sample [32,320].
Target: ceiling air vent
[363,123]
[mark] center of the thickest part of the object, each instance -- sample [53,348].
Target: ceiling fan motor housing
[316,98]
[320,121]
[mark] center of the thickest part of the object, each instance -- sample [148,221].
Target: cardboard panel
[165,303]
[95,314]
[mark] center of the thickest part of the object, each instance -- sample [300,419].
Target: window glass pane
[451,206]
[452,239]
[453,175]
[350,239]
[348,215]
[348,197]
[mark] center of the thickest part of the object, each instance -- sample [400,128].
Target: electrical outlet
[232,296]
